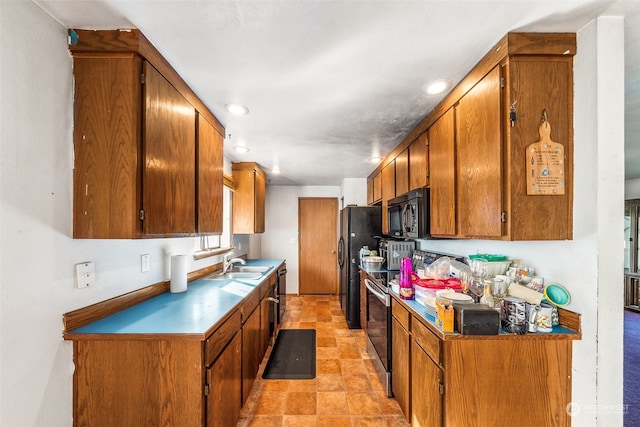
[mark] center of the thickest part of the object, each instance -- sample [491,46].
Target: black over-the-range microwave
[409,214]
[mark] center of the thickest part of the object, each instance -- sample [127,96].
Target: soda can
[514,315]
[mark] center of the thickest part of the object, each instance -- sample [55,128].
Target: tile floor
[346,390]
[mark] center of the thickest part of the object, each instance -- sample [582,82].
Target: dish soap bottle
[406,287]
[487,298]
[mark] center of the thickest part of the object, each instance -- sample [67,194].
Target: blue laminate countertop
[193,312]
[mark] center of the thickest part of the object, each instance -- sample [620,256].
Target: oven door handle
[382,297]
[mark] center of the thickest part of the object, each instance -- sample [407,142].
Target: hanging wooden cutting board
[545,165]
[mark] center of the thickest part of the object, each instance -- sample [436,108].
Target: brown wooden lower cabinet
[400,365]
[484,381]
[224,397]
[172,379]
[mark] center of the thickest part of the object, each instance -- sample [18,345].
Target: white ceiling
[331,83]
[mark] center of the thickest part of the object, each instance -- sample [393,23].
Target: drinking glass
[476,286]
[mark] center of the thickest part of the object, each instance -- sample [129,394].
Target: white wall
[37,254]
[280,239]
[632,189]
[591,265]
[354,192]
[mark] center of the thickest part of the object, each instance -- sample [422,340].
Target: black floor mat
[293,356]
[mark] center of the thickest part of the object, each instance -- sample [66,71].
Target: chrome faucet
[226,262]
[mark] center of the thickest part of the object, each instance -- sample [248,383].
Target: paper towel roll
[529,295]
[178,273]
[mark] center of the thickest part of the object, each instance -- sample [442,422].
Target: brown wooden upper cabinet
[442,178]
[479,167]
[419,162]
[374,189]
[388,192]
[486,180]
[210,178]
[135,141]
[249,198]
[402,172]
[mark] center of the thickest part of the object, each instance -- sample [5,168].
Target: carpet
[293,356]
[631,368]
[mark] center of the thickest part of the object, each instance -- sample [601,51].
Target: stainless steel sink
[234,275]
[247,272]
[249,269]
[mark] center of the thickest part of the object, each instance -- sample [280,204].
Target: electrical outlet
[144,263]
[85,275]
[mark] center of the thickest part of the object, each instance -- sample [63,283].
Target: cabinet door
[426,389]
[224,379]
[540,84]
[250,352]
[169,164]
[107,147]
[419,162]
[260,183]
[265,318]
[443,176]
[377,187]
[210,178]
[400,366]
[402,172]
[479,149]
[388,192]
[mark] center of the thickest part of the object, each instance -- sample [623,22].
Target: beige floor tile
[326,342]
[330,382]
[270,403]
[333,421]
[363,403]
[303,385]
[301,403]
[349,353]
[299,421]
[357,382]
[328,366]
[261,421]
[368,421]
[274,385]
[332,403]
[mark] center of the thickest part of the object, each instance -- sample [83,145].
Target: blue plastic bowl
[556,294]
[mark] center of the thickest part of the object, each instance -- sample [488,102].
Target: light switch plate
[144,263]
[85,275]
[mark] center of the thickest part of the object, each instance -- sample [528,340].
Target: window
[205,246]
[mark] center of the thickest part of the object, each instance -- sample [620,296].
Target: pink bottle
[406,272]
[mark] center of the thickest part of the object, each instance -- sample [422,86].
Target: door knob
[333,251]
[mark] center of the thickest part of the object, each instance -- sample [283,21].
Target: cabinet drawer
[218,340]
[250,304]
[426,339]
[400,313]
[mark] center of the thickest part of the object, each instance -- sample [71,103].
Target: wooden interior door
[318,240]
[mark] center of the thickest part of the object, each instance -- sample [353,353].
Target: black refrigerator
[358,226]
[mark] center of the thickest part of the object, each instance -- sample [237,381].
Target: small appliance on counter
[394,250]
[422,259]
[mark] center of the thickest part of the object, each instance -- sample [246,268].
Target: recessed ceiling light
[375,159]
[437,86]
[237,109]
[275,170]
[241,149]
